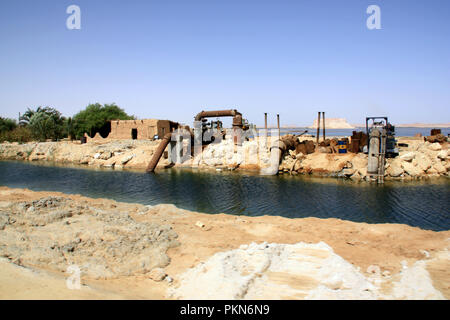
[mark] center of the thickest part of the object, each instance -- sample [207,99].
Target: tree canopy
[44,123]
[95,117]
[7,124]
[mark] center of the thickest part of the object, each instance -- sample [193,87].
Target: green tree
[95,118]
[7,124]
[46,123]
[19,134]
[24,119]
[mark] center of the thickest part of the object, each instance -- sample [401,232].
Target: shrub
[19,134]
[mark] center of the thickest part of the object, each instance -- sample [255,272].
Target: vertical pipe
[265,127]
[318,127]
[323,118]
[278,123]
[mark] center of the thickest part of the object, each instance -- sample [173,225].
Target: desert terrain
[162,252]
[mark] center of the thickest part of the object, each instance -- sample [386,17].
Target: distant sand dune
[333,123]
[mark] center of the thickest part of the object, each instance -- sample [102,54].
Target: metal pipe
[265,127]
[318,127]
[278,124]
[277,151]
[217,113]
[158,152]
[323,116]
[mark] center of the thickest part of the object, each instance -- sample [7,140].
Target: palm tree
[24,119]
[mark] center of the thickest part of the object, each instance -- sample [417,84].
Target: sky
[171,59]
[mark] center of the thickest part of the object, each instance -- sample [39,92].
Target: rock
[411,170]
[200,224]
[157,274]
[435,146]
[97,155]
[394,170]
[348,171]
[300,156]
[126,159]
[106,155]
[356,176]
[423,162]
[85,160]
[443,154]
[374,269]
[439,168]
[432,171]
[408,156]
[323,150]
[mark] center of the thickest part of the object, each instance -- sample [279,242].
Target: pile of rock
[419,160]
[103,243]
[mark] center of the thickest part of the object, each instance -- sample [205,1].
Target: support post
[278,123]
[323,117]
[318,128]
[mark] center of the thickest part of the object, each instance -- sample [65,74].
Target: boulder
[411,170]
[443,154]
[394,170]
[157,274]
[408,156]
[106,155]
[435,146]
[126,159]
[423,162]
[348,172]
[439,168]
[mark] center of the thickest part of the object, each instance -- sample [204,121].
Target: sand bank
[158,252]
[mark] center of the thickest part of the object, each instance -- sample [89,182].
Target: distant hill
[333,123]
[424,125]
[414,125]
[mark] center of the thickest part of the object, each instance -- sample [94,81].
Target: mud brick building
[146,129]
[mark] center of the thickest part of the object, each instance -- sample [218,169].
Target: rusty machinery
[238,125]
[382,144]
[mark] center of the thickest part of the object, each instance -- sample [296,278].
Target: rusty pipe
[318,127]
[158,152]
[323,118]
[217,113]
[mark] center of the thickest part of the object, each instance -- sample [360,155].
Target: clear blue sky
[170,59]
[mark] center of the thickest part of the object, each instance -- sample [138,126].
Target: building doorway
[134,134]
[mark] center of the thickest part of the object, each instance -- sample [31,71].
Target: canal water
[422,204]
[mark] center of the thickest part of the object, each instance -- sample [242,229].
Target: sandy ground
[367,247]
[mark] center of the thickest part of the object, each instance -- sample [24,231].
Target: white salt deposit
[294,271]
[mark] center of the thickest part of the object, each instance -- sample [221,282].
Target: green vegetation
[9,131]
[45,123]
[7,124]
[95,118]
